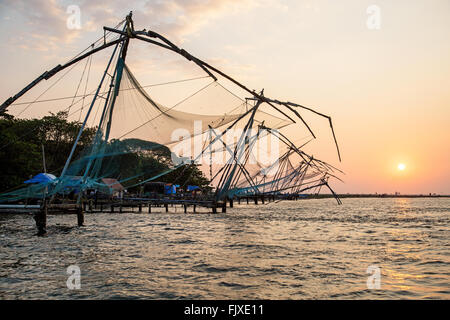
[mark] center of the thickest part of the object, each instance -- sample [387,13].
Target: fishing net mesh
[236,144]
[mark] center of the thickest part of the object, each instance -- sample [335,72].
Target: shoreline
[321,196]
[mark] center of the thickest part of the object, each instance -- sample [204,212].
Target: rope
[91,94]
[46,90]
[79,83]
[85,86]
[145,123]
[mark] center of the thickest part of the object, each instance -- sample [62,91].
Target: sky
[380,69]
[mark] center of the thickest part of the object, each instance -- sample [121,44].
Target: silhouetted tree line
[21,143]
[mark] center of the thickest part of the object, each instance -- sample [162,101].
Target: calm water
[288,250]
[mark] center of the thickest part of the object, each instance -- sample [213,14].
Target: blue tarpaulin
[192,188]
[41,178]
[170,189]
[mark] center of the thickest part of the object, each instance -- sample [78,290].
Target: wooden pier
[136,205]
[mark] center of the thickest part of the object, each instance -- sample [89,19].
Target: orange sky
[386,89]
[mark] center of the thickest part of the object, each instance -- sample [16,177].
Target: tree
[20,146]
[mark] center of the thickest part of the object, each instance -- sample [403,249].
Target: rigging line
[139,100]
[106,35]
[96,113]
[85,85]
[190,175]
[81,80]
[300,171]
[104,87]
[228,128]
[228,179]
[75,111]
[90,94]
[166,110]
[233,94]
[138,106]
[323,115]
[247,176]
[241,167]
[79,83]
[67,109]
[46,90]
[212,125]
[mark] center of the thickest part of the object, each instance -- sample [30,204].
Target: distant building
[112,186]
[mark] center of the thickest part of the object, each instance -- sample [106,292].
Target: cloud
[45,24]
[177,19]
[44,27]
[180,18]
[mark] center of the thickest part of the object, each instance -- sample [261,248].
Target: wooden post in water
[166,206]
[224,206]
[41,219]
[247,200]
[140,207]
[256,199]
[185,208]
[262,199]
[231,202]
[149,208]
[195,207]
[80,216]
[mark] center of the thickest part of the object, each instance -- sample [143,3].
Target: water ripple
[310,249]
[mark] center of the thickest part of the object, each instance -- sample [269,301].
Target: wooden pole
[41,219]
[80,216]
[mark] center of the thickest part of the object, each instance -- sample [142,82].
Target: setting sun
[401,166]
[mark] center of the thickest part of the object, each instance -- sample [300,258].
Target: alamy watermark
[74,280]
[374,280]
[374,17]
[73,21]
